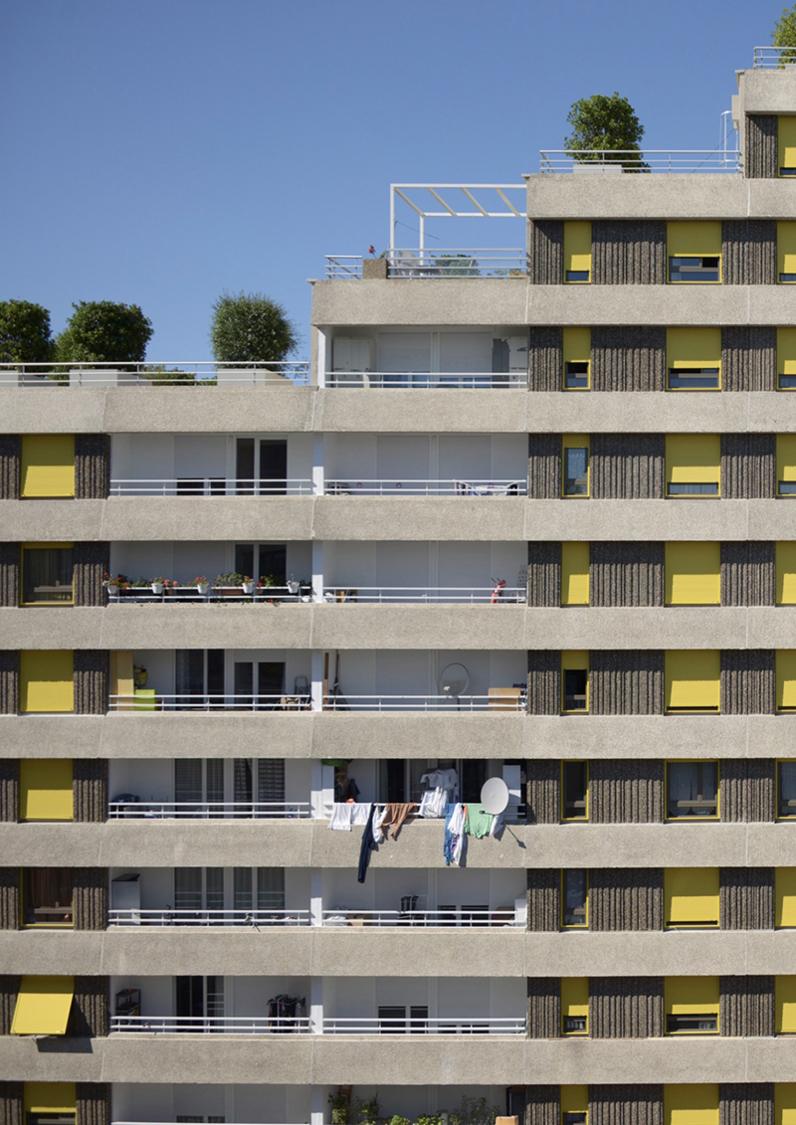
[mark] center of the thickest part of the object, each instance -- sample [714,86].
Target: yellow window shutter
[693,461]
[48,465]
[575,680]
[786,350]
[575,573]
[577,358]
[692,679]
[49,1097]
[786,573]
[786,464]
[693,239]
[45,789]
[786,256]
[575,1005]
[43,1006]
[691,896]
[786,679]
[693,347]
[698,996]
[577,251]
[785,898]
[46,681]
[693,573]
[785,1103]
[691,1104]
[574,1099]
[785,1005]
[786,145]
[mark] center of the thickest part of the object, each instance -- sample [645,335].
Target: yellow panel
[43,1006]
[786,573]
[575,1099]
[785,1005]
[693,347]
[46,1097]
[786,252]
[693,679]
[577,248]
[691,896]
[577,345]
[785,892]
[693,240]
[786,458]
[786,142]
[575,573]
[693,573]
[785,1103]
[693,458]
[574,996]
[691,1105]
[45,789]
[575,658]
[48,465]
[45,680]
[786,679]
[691,995]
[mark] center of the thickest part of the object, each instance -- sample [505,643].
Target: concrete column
[316,1010]
[317,571]
[316,672]
[316,897]
[317,464]
[321,361]
[316,790]
[317,1105]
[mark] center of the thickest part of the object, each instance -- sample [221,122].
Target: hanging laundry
[366,847]
[283,1009]
[361,813]
[342,817]
[433,803]
[478,822]
[378,817]
[453,844]
[395,813]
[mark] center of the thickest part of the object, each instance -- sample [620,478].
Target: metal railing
[774,58]
[423,702]
[207,810]
[426,595]
[359,917]
[343,267]
[170,917]
[216,592]
[459,262]
[211,1025]
[409,487]
[164,373]
[429,380]
[484,1025]
[158,701]
[209,486]
[632,161]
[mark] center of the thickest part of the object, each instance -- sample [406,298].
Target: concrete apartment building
[183,937]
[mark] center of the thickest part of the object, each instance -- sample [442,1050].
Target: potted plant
[120,584]
[201,584]
[247,584]
[158,584]
[340,1105]
[228,585]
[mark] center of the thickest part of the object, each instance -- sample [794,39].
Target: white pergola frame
[452,210]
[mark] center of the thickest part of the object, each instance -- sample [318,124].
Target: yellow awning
[43,1006]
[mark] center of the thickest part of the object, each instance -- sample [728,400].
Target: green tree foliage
[24,333]
[784,35]
[104,332]
[607,124]
[250,328]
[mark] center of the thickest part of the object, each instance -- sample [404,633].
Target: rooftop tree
[608,125]
[24,333]
[104,332]
[250,328]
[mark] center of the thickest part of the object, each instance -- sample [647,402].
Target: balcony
[429,380]
[498,699]
[209,486]
[211,1025]
[207,810]
[176,373]
[420,263]
[151,700]
[255,919]
[436,487]
[413,1025]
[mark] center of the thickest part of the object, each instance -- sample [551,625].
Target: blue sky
[160,152]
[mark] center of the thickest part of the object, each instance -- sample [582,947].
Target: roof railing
[774,58]
[165,373]
[635,161]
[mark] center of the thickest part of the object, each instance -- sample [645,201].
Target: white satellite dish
[495,795]
[454,681]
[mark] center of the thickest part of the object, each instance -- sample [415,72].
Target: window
[786,679]
[47,573]
[693,680]
[48,466]
[691,1105]
[786,573]
[574,790]
[45,681]
[575,459]
[261,466]
[785,1005]
[786,353]
[786,146]
[575,559]
[45,789]
[47,896]
[692,1005]
[200,672]
[693,464]
[574,898]
[693,359]
[262,560]
[786,464]
[694,251]
[393,1019]
[691,897]
[786,789]
[577,252]
[574,1105]
[574,1005]
[577,359]
[785,1103]
[200,999]
[43,1006]
[693,573]
[49,1103]
[692,789]
[785,898]
[574,681]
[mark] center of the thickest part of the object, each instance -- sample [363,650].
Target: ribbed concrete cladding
[89,1014]
[760,146]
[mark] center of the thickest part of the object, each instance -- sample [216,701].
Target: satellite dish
[495,795]
[454,681]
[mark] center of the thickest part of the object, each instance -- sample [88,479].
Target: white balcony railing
[343,267]
[164,373]
[210,1025]
[207,810]
[119,595]
[483,1025]
[634,161]
[158,701]
[464,917]
[209,486]
[457,263]
[424,702]
[135,916]
[432,381]
[427,595]
[409,487]
[774,58]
